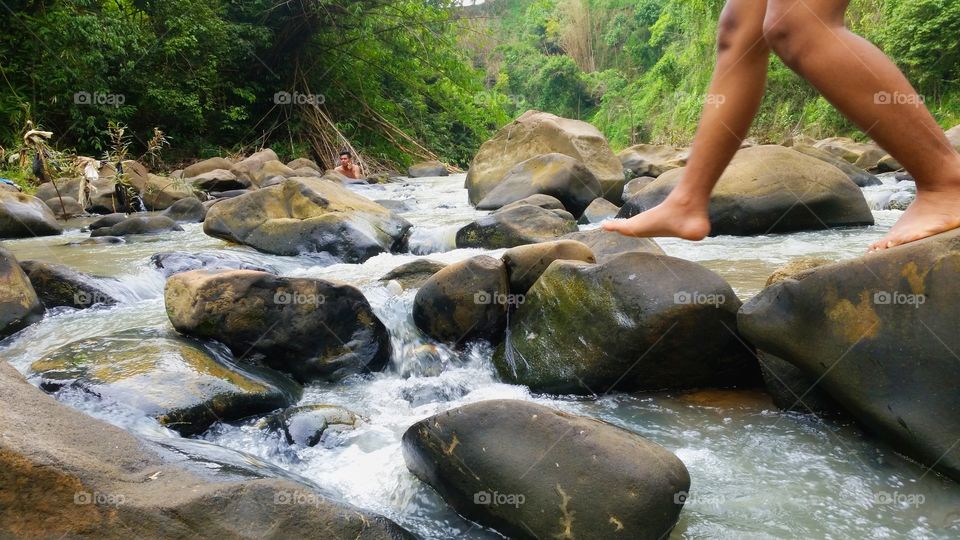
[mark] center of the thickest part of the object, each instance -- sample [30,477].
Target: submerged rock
[636,322]
[310,425]
[556,175]
[25,216]
[770,189]
[59,285]
[487,461]
[464,302]
[73,476]
[879,334]
[536,133]
[311,328]
[139,225]
[108,220]
[308,215]
[515,226]
[19,304]
[179,382]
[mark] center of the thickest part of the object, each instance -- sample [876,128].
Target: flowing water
[756,472]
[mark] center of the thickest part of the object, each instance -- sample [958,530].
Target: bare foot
[671,218]
[931,213]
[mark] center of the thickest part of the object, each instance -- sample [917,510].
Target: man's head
[345,158]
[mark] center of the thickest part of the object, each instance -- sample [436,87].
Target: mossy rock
[19,304]
[515,226]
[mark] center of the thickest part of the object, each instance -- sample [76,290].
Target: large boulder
[64,207]
[529,471]
[525,264]
[138,225]
[515,226]
[598,211]
[859,176]
[300,163]
[311,328]
[59,285]
[863,155]
[606,245]
[251,166]
[271,169]
[464,302]
[66,475]
[652,160]
[179,382]
[218,180]
[557,175]
[101,193]
[25,216]
[770,189]
[427,168]
[201,168]
[308,215]
[159,192]
[413,275]
[19,304]
[186,211]
[636,322]
[879,334]
[536,133]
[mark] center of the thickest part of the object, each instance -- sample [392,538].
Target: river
[756,472]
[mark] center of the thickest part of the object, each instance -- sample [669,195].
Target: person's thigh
[826,12]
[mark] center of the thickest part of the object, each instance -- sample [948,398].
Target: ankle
[692,202]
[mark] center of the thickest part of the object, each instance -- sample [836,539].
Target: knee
[737,29]
[786,35]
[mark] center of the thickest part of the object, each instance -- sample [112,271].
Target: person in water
[855,76]
[347,167]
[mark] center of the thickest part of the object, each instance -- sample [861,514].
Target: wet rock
[64,207]
[19,304]
[652,160]
[311,328]
[889,164]
[186,211]
[525,264]
[859,176]
[427,168]
[207,166]
[536,133]
[599,210]
[218,180]
[464,302]
[307,215]
[636,186]
[606,245]
[770,189]
[99,241]
[879,333]
[558,175]
[59,285]
[863,155]
[139,225]
[107,221]
[487,461]
[397,206]
[627,324]
[175,262]
[76,476]
[181,383]
[310,425]
[25,216]
[543,201]
[413,275]
[515,226]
